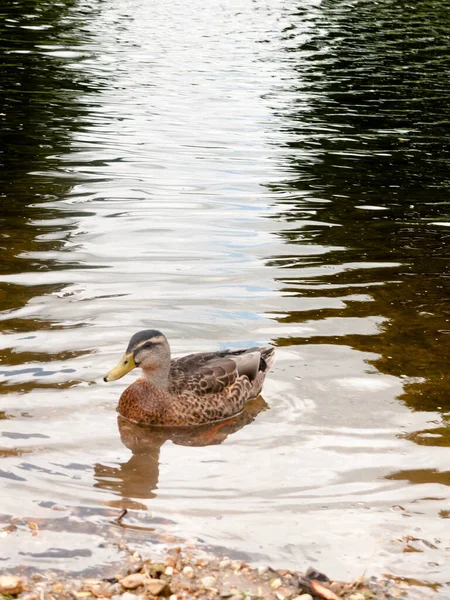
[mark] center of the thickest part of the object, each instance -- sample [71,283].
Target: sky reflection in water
[230,175]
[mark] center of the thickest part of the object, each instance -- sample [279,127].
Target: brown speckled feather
[142,403]
[202,388]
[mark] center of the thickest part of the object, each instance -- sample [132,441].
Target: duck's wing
[213,372]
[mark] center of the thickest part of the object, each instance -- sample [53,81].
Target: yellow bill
[125,365]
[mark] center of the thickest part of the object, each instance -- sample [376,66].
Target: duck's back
[212,372]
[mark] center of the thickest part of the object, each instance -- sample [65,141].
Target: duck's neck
[157,377]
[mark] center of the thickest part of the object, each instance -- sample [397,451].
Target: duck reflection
[138,477]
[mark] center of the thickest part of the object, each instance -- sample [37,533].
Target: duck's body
[192,390]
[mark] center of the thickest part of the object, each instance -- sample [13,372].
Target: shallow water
[231,174]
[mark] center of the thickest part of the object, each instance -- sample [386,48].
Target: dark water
[231,174]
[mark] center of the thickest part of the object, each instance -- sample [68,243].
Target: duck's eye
[126,362]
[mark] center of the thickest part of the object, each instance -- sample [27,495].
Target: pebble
[208,582]
[357,596]
[263,569]
[236,597]
[173,597]
[225,563]
[336,587]
[135,566]
[128,596]
[171,561]
[133,581]
[11,585]
[100,590]
[303,597]
[276,583]
[156,586]
[155,569]
[189,571]
[203,562]
[168,571]
[236,565]
[115,589]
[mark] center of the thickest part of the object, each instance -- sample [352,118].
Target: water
[231,174]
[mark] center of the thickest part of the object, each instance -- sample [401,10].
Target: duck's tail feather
[267,358]
[253,361]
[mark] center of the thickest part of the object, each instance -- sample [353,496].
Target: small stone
[135,566]
[29,596]
[208,582]
[158,587]
[155,569]
[276,583]
[303,597]
[128,596]
[189,571]
[236,565]
[225,563]
[102,590]
[203,562]
[336,587]
[171,561]
[263,569]
[236,597]
[357,596]
[168,571]
[11,585]
[173,597]
[115,589]
[133,581]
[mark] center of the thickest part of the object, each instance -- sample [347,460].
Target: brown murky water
[230,173]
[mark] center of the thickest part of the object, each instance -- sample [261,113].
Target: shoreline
[188,572]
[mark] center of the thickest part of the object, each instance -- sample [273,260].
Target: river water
[230,173]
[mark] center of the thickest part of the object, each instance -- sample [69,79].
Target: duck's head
[147,349]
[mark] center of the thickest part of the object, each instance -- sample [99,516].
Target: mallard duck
[192,390]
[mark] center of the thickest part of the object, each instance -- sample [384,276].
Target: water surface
[230,173]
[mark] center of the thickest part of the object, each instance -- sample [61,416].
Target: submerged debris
[188,574]
[121,516]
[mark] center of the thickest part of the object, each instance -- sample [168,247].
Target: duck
[196,389]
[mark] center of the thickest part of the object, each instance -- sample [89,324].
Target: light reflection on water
[230,175]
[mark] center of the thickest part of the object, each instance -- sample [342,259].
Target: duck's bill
[125,365]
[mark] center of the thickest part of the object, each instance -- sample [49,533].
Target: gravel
[191,574]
